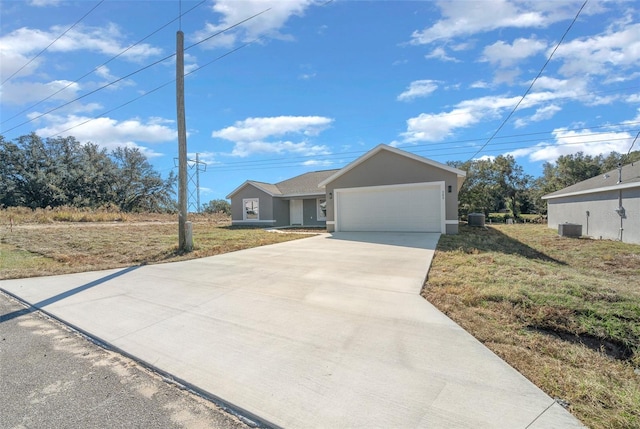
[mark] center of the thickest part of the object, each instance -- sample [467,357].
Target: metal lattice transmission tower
[195,167]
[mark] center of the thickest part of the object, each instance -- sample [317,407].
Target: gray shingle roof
[306,183]
[607,181]
[269,187]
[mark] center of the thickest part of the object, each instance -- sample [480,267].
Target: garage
[412,207]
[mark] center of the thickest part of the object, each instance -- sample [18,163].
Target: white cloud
[244,149]
[318,163]
[633,98]
[42,3]
[440,54]
[436,127]
[206,157]
[250,135]
[507,76]
[261,128]
[106,40]
[480,84]
[506,55]
[463,18]
[267,24]
[21,93]
[600,54]
[418,88]
[541,114]
[111,133]
[569,142]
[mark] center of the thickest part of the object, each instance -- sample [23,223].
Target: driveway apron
[328,332]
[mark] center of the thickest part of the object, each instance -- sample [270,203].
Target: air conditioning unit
[476,219]
[569,230]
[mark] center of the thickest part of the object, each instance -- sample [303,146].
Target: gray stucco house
[386,189]
[607,206]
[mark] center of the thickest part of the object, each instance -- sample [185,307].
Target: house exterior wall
[265,208]
[602,221]
[310,213]
[280,212]
[387,168]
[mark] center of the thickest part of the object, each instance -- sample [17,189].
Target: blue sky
[321,83]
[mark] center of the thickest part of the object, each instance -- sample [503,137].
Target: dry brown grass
[25,216]
[35,249]
[563,312]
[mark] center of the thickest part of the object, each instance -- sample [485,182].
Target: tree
[217,206]
[61,171]
[570,169]
[493,185]
[138,186]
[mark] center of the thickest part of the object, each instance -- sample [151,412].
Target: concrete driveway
[328,331]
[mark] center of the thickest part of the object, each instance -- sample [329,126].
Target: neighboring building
[607,206]
[386,189]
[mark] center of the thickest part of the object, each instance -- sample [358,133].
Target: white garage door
[416,207]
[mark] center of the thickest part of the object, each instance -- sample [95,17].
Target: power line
[136,72]
[105,63]
[290,162]
[448,144]
[156,88]
[227,29]
[532,82]
[49,45]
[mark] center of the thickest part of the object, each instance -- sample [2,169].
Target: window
[251,209]
[322,209]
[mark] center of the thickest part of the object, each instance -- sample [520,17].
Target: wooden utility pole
[185,237]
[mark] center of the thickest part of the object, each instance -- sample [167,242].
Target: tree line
[61,171]
[501,185]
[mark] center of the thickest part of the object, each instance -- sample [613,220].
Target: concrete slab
[328,331]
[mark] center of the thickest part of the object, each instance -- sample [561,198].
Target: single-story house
[386,189]
[607,206]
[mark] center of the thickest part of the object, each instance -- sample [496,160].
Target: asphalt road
[51,377]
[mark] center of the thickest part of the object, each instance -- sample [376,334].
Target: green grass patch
[76,247]
[564,312]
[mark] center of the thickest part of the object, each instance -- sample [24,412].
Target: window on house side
[251,209]
[322,209]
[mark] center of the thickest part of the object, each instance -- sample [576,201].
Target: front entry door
[295,212]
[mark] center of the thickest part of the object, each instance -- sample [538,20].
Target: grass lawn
[38,245]
[564,312]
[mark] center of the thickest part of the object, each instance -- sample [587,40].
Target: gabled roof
[601,183]
[461,174]
[303,185]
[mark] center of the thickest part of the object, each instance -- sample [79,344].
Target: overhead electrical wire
[104,64]
[242,164]
[504,122]
[154,89]
[50,44]
[138,71]
[332,165]
[297,161]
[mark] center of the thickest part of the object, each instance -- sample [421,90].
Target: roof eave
[391,149]
[593,191]
[252,183]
